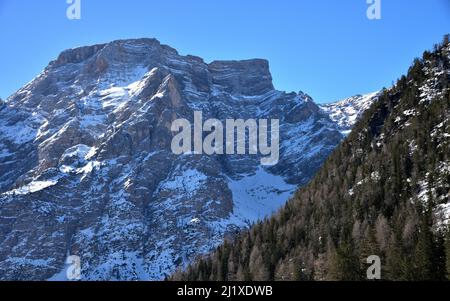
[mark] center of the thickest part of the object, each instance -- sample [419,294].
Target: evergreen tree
[447,252]
[423,257]
[345,264]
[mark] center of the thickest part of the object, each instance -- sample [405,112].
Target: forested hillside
[384,191]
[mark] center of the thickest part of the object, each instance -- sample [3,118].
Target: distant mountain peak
[347,111]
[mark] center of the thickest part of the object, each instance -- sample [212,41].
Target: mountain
[348,111]
[86,166]
[385,191]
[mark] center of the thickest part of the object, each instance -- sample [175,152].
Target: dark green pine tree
[439,264]
[423,255]
[447,252]
[345,265]
[396,267]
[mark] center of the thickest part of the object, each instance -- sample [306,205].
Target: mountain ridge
[347,112]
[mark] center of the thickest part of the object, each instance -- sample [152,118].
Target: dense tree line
[379,193]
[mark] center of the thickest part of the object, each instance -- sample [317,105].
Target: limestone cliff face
[86,167]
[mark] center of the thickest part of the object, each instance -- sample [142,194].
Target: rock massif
[86,167]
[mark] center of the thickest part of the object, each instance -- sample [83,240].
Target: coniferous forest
[383,192]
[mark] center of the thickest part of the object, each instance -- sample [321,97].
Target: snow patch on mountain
[259,195]
[346,112]
[33,187]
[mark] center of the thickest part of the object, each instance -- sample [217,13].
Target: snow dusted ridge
[86,167]
[346,112]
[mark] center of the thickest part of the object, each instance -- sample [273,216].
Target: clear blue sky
[327,48]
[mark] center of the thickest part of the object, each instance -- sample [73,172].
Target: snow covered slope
[346,112]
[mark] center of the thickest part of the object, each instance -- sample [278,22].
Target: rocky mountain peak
[248,77]
[121,63]
[112,49]
[76,55]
